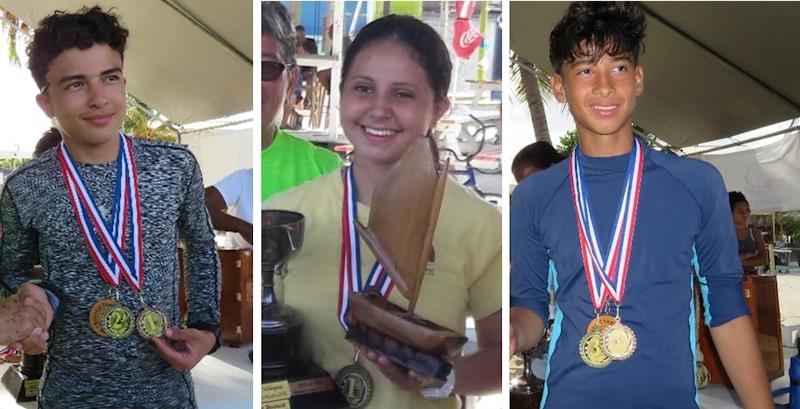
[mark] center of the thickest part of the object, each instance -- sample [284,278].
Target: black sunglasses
[271,70]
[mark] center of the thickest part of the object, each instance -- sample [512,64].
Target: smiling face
[601,95]
[387,102]
[85,92]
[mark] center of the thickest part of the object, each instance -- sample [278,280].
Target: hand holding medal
[184,348]
[106,244]
[607,339]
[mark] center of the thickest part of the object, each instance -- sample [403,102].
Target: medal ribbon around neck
[350,261]
[606,274]
[107,245]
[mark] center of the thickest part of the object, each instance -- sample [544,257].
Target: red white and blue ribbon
[607,272]
[106,241]
[350,261]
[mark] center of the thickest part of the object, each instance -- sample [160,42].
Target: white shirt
[237,190]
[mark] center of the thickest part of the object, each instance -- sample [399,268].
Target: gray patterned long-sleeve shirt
[84,369]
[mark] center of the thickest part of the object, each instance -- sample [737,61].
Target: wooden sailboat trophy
[403,215]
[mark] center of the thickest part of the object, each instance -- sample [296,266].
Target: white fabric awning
[768,176]
[712,69]
[190,60]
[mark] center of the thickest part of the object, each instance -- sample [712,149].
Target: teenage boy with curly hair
[107,210]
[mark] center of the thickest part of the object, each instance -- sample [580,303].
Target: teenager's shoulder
[163,151]
[308,194]
[544,183]
[693,173]
[41,166]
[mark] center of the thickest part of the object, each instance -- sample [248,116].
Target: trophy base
[408,357]
[527,393]
[311,388]
[23,388]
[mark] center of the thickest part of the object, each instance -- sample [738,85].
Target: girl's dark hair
[50,139]
[427,49]
[426,46]
[736,197]
[61,31]
[597,28]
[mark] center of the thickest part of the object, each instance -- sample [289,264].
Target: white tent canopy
[768,176]
[189,60]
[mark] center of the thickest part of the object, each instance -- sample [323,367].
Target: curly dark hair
[592,29]
[427,48]
[61,31]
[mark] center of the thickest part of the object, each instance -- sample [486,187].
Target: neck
[267,136]
[606,145]
[368,175]
[93,154]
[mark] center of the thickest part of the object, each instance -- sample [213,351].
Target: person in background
[230,205]
[533,158]
[305,45]
[50,139]
[286,160]
[752,250]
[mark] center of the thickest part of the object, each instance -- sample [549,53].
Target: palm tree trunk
[535,106]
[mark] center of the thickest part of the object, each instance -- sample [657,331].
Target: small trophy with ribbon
[403,216]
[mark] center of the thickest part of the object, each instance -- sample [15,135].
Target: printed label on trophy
[31,388]
[275,391]
[278,404]
[312,385]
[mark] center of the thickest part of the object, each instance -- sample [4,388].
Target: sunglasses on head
[271,70]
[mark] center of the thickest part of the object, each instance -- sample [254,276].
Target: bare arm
[737,346]
[217,209]
[481,372]
[525,330]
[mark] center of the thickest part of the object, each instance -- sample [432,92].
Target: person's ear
[557,85]
[43,100]
[638,76]
[439,109]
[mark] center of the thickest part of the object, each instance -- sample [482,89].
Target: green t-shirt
[290,161]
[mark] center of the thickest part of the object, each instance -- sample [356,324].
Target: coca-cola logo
[468,37]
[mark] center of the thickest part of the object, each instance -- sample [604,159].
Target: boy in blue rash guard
[622,229]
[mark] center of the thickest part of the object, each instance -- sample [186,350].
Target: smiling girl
[395,76]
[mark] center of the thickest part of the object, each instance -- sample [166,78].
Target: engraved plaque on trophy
[288,378]
[22,380]
[404,211]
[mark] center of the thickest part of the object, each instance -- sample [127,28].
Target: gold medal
[618,341]
[591,351]
[151,323]
[356,385]
[118,321]
[97,313]
[602,322]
